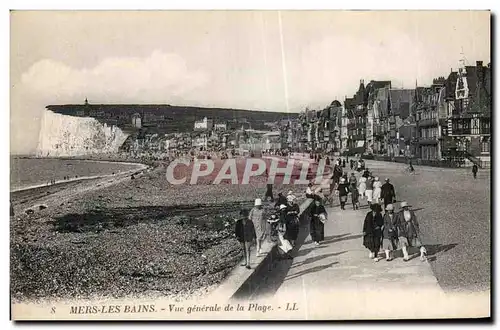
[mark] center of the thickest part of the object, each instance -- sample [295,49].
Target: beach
[122,237]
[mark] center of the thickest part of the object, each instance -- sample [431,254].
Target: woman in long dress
[372,231]
[317,227]
[259,222]
[292,220]
[362,187]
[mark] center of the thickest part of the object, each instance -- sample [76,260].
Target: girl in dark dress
[343,189]
[372,231]
[292,220]
[245,234]
[317,229]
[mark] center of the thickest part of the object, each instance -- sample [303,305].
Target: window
[475,126]
[485,145]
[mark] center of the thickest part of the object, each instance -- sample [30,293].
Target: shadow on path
[317,258]
[268,279]
[311,270]
[339,238]
[432,251]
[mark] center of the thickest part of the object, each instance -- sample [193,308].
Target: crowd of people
[384,229]
[281,223]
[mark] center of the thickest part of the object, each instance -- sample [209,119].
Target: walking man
[245,233]
[388,194]
[474,171]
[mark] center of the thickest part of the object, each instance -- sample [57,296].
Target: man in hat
[245,233]
[408,231]
[260,224]
[388,194]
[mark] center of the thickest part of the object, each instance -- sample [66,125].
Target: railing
[447,163]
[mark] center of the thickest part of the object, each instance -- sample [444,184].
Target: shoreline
[139,167]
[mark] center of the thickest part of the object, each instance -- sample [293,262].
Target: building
[372,96]
[380,121]
[136,120]
[220,126]
[468,101]
[356,108]
[402,130]
[331,126]
[203,125]
[429,101]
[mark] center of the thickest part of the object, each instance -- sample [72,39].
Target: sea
[32,172]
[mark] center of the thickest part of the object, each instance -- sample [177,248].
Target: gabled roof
[450,84]
[401,101]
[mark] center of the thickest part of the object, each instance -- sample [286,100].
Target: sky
[261,60]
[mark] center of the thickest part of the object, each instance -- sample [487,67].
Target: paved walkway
[337,280]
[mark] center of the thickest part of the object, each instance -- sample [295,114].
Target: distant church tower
[86,101]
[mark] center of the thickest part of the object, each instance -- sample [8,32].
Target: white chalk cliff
[62,135]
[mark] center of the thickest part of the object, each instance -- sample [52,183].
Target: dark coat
[317,229]
[409,229]
[372,230]
[292,222]
[343,189]
[388,192]
[244,231]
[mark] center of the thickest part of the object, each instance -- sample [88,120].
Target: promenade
[337,280]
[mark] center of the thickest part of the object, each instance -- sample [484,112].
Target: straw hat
[282,206]
[376,178]
[389,207]
[290,198]
[258,202]
[342,180]
[404,204]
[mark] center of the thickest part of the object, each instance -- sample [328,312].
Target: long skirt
[317,230]
[372,242]
[292,231]
[369,195]
[376,195]
[260,229]
[362,188]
